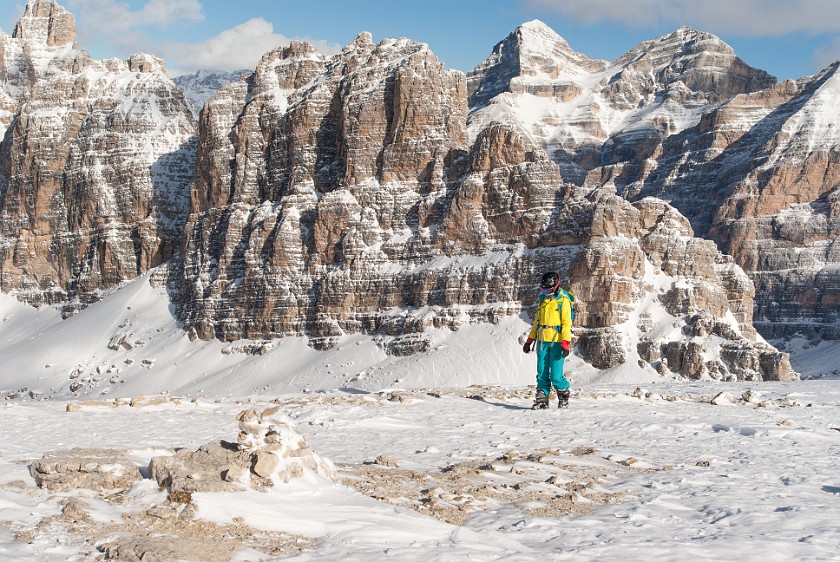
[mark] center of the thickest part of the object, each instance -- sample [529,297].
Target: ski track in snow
[704,482]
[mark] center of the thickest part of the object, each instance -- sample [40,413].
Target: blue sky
[788,38]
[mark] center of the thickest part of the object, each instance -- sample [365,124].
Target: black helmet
[550,280]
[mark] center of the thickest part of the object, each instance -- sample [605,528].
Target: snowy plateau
[290,325]
[435,456]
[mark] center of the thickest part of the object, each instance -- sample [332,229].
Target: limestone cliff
[341,196]
[760,175]
[94,166]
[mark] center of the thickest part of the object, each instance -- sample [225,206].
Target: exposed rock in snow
[722,399]
[93,469]
[269,452]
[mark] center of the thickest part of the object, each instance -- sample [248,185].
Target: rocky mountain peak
[45,22]
[531,33]
[534,59]
[363,40]
[703,62]
[688,33]
[288,68]
[97,161]
[542,50]
[144,63]
[300,49]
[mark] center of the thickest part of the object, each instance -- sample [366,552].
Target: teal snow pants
[550,367]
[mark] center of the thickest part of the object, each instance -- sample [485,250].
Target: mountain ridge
[363,193]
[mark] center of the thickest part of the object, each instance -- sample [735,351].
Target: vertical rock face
[760,176]
[452,233]
[335,167]
[45,22]
[642,262]
[94,166]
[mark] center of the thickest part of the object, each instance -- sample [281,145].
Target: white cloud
[240,47]
[749,18]
[116,24]
[112,16]
[169,12]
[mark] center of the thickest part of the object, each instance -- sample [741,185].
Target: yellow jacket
[553,321]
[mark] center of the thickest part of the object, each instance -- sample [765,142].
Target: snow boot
[541,401]
[563,398]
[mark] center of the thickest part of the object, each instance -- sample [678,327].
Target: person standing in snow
[552,332]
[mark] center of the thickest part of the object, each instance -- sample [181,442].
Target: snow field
[685,478]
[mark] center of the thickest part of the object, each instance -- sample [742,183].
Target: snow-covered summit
[564,101]
[534,59]
[701,61]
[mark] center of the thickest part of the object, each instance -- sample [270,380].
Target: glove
[527,346]
[565,348]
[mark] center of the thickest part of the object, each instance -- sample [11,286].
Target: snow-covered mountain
[333,197]
[201,85]
[751,163]
[588,113]
[377,192]
[96,161]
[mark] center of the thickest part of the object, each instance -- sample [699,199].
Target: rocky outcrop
[269,451]
[92,469]
[642,262]
[94,165]
[46,23]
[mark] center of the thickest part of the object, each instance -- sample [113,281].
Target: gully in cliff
[552,332]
